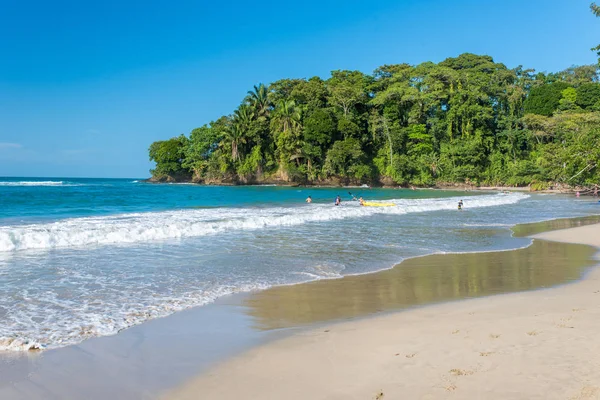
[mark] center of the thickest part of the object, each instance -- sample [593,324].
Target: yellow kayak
[376,204]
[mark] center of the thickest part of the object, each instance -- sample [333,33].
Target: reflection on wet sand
[534,228]
[423,280]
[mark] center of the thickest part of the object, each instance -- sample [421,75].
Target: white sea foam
[19,344]
[32,183]
[71,322]
[329,270]
[139,227]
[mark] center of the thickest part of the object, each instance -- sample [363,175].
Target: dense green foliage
[545,99]
[467,119]
[170,156]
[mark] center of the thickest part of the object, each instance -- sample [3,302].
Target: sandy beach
[532,345]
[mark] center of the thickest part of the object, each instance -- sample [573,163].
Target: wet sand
[530,345]
[534,228]
[429,279]
[419,281]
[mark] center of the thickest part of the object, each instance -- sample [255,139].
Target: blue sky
[85,87]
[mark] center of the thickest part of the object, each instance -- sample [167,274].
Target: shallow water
[534,228]
[85,257]
[418,281]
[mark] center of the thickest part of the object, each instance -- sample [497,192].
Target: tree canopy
[466,119]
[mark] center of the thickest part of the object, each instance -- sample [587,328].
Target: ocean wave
[32,183]
[140,227]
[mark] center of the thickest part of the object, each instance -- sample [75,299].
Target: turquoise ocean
[82,258]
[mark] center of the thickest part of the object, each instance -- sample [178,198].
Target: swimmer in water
[460,205]
[309,199]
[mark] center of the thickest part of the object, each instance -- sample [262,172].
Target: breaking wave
[140,227]
[32,183]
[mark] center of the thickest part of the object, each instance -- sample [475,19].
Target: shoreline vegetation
[467,121]
[459,348]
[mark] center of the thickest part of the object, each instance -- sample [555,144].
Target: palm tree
[432,161]
[286,125]
[287,117]
[258,99]
[243,115]
[234,135]
[300,153]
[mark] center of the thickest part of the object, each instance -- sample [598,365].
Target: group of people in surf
[338,200]
[361,201]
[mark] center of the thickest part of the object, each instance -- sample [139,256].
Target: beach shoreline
[567,190]
[171,352]
[535,344]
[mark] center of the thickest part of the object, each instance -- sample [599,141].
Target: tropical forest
[468,119]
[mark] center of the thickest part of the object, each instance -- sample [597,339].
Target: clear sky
[85,87]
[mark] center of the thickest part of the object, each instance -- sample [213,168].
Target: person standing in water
[460,205]
[309,199]
[338,201]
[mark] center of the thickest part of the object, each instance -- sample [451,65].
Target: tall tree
[234,136]
[258,98]
[347,88]
[286,125]
[244,115]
